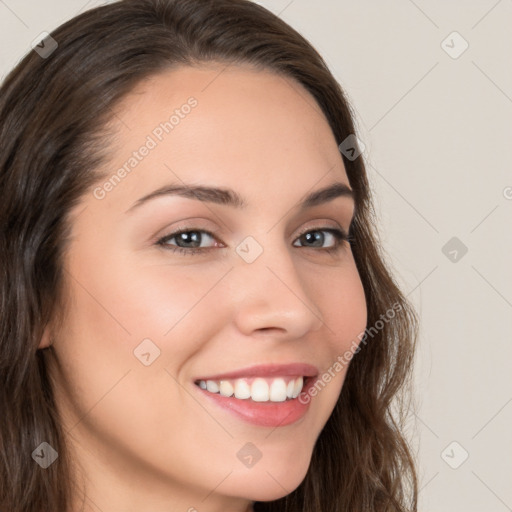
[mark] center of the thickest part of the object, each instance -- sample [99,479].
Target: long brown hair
[54,110]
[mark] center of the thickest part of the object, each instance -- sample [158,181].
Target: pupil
[315,237]
[190,237]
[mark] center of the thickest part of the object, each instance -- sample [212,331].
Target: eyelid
[323,227]
[189,224]
[214,233]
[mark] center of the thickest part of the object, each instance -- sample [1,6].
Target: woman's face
[271,287]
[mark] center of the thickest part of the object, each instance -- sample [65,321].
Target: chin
[266,483]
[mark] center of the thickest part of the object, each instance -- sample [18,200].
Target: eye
[188,241]
[314,238]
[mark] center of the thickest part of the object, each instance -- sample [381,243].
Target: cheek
[111,392]
[119,302]
[341,299]
[176,306]
[345,314]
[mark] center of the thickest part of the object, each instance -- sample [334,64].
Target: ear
[46,338]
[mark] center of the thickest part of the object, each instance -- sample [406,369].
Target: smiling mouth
[258,389]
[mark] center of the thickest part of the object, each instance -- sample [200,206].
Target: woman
[195,312]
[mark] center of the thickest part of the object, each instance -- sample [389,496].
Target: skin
[143,437]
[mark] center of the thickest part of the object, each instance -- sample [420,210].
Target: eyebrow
[228,197]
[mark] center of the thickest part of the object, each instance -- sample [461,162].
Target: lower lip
[264,414]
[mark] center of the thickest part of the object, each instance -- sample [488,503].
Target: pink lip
[267,370]
[264,414]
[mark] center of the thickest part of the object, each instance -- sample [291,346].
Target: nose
[272,296]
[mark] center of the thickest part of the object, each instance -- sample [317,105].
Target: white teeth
[278,390]
[242,389]
[261,390]
[225,388]
[290,388]
[298,387]
[212,386]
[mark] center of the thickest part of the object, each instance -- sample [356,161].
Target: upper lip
[267,370]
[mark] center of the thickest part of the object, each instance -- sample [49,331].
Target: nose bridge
[271,293]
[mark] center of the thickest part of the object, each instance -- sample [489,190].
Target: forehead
[223,125]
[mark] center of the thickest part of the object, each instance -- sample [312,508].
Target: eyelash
[340,236]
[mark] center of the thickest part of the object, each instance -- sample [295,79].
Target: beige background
[437,132]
